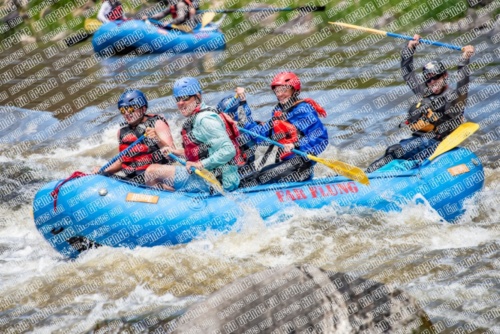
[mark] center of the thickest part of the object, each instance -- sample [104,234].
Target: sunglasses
[128,110]
[183,98]
[434,77]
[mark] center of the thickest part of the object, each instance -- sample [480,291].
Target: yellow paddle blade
[91,25]
[455,138]
[352,26]
[210,178]
[182,28]
[207,18]
[341,168]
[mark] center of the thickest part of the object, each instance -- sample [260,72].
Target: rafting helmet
[433,69]
[187,86]
[228,105]
[133,98]
[286,79]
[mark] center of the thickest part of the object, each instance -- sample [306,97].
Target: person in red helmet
[295,123]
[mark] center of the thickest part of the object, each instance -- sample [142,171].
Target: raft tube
[123,37]
[96,210]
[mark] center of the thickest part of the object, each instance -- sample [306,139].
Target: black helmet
[433,69]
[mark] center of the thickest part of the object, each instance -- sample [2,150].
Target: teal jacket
[209,129]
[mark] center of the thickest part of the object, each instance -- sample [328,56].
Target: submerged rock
[302,300]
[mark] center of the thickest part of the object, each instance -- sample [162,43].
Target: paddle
[183,28]
[91,25]
[269,9]
[391,34]
[455,138]
[349,171]
[121,154]
[207,18]
[203,173]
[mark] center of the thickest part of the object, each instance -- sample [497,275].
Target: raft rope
[55,193]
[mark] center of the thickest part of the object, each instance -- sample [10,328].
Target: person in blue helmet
[140,163]
[209,142]
[239,110]
[295,124]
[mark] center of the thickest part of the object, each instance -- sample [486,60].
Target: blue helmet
[228,105]
[134,98]
[186,87]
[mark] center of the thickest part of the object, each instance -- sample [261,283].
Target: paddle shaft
[121,154]
[204,174]
[255,10]
[425,41]
[179,160]
[303,154]
[394,35]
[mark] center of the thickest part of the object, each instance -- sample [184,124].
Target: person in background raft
[142,160]
[209,141]
[240,112]
[439,110]
[295,124]
[182,11]
[111,10]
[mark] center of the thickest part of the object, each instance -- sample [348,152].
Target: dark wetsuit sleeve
[408,71]
[454,114]
[462,86]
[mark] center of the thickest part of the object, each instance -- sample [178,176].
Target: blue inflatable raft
[96,210]
[122,37]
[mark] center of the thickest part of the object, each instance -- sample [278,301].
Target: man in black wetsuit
[439,109]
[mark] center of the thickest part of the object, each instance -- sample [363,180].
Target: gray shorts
[191,183]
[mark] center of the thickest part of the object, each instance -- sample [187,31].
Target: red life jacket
[144,154]
[173,11]
[284,131]
[196,150]
[116,12]
[173,8]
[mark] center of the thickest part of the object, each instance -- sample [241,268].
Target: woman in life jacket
[182,12]
[111,10]
[240,112]
[209,142]
[140,163]
[438,111]
[295,123]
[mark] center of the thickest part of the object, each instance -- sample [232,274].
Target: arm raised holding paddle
[439,109]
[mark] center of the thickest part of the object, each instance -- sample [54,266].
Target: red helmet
[286,79]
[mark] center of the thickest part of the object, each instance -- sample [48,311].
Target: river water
[132,290]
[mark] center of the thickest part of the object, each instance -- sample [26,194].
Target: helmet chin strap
[291,101]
